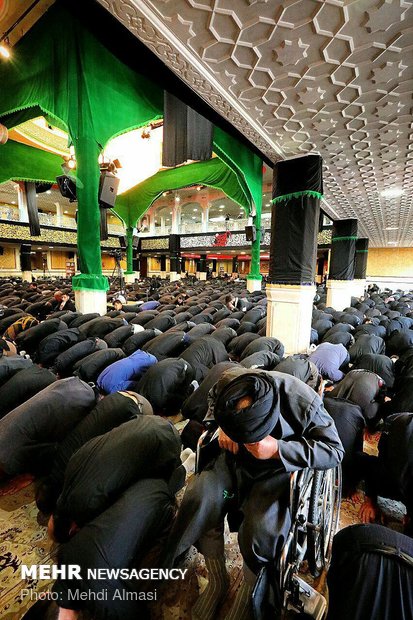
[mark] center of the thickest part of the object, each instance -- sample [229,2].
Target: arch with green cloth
[134,203]
[71,78]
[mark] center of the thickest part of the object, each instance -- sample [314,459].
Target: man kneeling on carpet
[271,424]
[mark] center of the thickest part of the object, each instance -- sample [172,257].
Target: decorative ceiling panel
[332,77]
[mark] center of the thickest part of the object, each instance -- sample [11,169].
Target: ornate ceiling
[332,77]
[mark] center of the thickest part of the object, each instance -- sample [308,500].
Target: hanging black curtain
[343,250]
[175,253]
[103,225]
[362,249]
[203,263]
[186,134]
[25,257]
[163,262]
[297,189]
[32,211]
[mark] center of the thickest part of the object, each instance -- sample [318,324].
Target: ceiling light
[48,191]
[177,199]
[392,228]
[391,243]
[13,202]
[392,192]
[65,211]
[195,209]
[5,48]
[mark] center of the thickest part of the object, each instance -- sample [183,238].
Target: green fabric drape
[129,249]
[248,168]
[20,162]
[67,75]
[131,205]
[72,78]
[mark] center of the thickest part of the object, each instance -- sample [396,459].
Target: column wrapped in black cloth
[32,211]
[343,250]
[297,189]
[186,134]
[362,248]
[175,253]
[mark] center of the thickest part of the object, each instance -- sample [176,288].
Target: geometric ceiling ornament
[332,77]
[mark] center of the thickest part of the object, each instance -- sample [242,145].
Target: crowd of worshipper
[90,406]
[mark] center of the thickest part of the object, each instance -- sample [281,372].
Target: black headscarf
[253,423]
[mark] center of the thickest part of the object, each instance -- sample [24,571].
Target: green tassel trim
[343,239]
[306,192]
[90,282]
[361,251]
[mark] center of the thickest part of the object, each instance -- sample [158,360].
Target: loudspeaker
[25,257]
[135,242]
[250,233]
[122,241]
[70,256]
[67,187]
[42,187]
[108,189]
[1,250]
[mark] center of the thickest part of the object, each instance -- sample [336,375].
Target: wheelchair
[315,498]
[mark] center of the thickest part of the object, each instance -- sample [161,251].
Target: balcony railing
[51,219]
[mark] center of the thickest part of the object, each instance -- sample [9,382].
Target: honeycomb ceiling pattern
[332,77]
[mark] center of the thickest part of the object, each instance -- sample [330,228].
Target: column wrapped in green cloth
[129,250]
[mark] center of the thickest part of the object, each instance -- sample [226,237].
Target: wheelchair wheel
[323,518]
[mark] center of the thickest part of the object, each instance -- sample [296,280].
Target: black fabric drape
[32,211]
[302,174]
[371,574]
[186,134]
[175,253]
[343,250]
[294,241]
[362,248]
[25,257]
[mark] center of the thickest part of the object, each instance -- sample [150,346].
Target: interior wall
[384,262]
[58,259]
[8,258]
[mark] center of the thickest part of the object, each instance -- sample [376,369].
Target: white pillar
[91,301]
[176,219]
[152,229]
[22,203]
[17,258]
[130,277]
[163,227]
[27,276]
[358,287]
[75,261]
[173,276]
[253,285]
[289,315]
[59,213]
[205,218]
[202,275]
[339,294]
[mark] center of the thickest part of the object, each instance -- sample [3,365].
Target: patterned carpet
[23,540]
